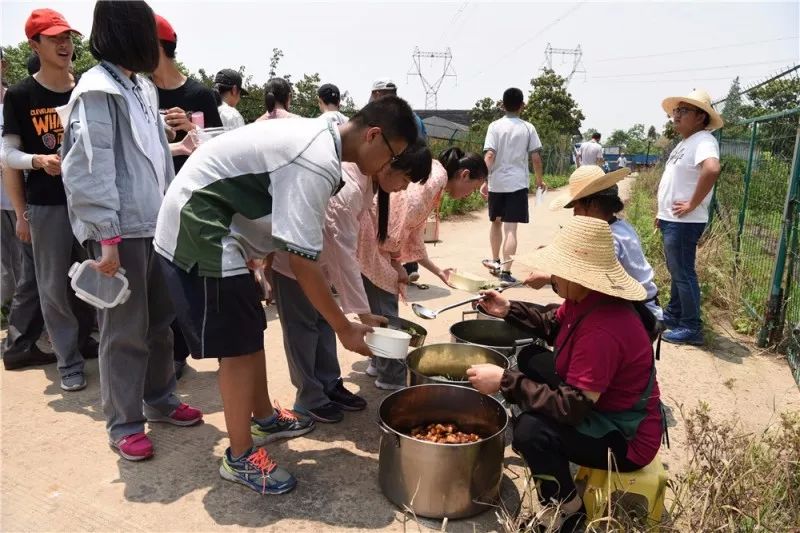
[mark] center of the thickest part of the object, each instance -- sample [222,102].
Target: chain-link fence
[757,201]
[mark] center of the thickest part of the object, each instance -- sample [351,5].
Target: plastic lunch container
[388,343]
[97,289]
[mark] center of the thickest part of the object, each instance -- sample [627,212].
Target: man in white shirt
[329,98]
[591,152]
[510,142]
[684,196]
[228,83]
[621,161]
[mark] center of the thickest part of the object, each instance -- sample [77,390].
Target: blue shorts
[219,317]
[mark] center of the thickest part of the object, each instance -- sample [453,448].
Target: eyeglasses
[395,157]
[680,111]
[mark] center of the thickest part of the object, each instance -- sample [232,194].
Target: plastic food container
[97,289]
[467,281]
[389,343]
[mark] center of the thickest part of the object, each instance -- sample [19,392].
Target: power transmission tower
[432,87]
[575,53]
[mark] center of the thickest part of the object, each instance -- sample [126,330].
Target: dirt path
[59,474]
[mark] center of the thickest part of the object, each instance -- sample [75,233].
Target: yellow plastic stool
[638,494]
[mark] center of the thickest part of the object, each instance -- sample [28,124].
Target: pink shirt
[340,240]
[277,113]
[409,210]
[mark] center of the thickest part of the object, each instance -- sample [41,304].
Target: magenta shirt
[611,353]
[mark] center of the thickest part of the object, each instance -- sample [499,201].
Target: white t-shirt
[334,116]
[231,118]
[590,152]
[622,162]
[628,250]
[242,195]
[512,140]
[681,174]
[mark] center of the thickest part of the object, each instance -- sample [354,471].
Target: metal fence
[758,203]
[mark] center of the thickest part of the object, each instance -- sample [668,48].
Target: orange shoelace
[261,460]
[284,414]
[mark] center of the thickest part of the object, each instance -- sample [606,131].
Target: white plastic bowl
[388,343]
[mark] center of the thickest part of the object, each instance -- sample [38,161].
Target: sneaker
[493,265]
[372,370]
[180,366]
[507,278]
[184,415]
[345,399]
[683,336]
[73,382]
[33,357]
[91,349]
[551,518]
[330,413]
[136,447]
[413,277]
[669,321]
[257,471]
[388,386]
[286,425]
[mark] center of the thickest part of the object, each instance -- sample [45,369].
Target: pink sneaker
[136,447]
[184,415]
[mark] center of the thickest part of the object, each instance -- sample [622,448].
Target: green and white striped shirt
[248,192]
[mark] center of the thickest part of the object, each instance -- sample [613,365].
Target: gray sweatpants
[69,321]
[309,343]
[25,323]
[137,375]
[392,371]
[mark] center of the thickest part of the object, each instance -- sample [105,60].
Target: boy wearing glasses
[684,196]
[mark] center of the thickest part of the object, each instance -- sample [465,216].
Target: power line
[504,57]
[761,84]
[694,50]
[432,87]
[696,69]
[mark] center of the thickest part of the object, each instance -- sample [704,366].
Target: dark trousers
[548,447]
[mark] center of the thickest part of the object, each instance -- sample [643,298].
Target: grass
[450,207]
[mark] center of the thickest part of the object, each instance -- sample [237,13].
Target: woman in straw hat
[684,197]
[603,394]
[593,193]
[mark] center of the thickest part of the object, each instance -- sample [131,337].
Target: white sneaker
[413,277]
[372,370]
[388,386]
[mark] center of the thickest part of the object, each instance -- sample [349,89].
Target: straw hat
[586,181]
[698,98]
[583,252]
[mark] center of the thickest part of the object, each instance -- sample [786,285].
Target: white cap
[384,84]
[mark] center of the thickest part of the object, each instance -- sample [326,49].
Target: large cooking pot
[437,363]
[441,480]
[498,335]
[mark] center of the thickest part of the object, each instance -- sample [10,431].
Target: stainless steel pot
[441,480]
[448,360]
[498,335]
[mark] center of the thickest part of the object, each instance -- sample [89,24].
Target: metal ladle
[428,313]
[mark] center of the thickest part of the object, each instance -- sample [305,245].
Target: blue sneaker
[683,336]
[257,471]
[670,322]
[285,425]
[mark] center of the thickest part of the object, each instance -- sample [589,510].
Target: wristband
[112,241]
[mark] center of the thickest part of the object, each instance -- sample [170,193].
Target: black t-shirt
[30,112]
[191,96]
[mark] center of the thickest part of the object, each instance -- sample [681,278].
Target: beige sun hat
[698,98]
[583,252]
[586,181]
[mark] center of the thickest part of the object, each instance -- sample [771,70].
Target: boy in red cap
[32,136]
[179,97]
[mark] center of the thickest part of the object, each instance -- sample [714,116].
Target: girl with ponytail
[456,173]
[277,99]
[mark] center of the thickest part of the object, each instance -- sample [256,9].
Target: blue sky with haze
[635,53]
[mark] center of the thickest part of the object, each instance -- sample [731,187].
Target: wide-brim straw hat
[698,98]
[586,181]
[583,252]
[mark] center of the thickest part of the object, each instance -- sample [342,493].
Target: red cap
[46,22]
[165,31]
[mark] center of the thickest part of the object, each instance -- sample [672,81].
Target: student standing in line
[277,99]
[114,191]
[228,85]
[329,98]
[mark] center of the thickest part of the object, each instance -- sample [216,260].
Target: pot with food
[498,335]
[417,332]
[448,363]
[441,452]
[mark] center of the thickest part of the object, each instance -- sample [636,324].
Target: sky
[634,53]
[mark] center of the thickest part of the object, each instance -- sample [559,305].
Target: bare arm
[536,161]
[489,158]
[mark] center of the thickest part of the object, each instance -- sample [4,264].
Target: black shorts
[219,317]
[509,206]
